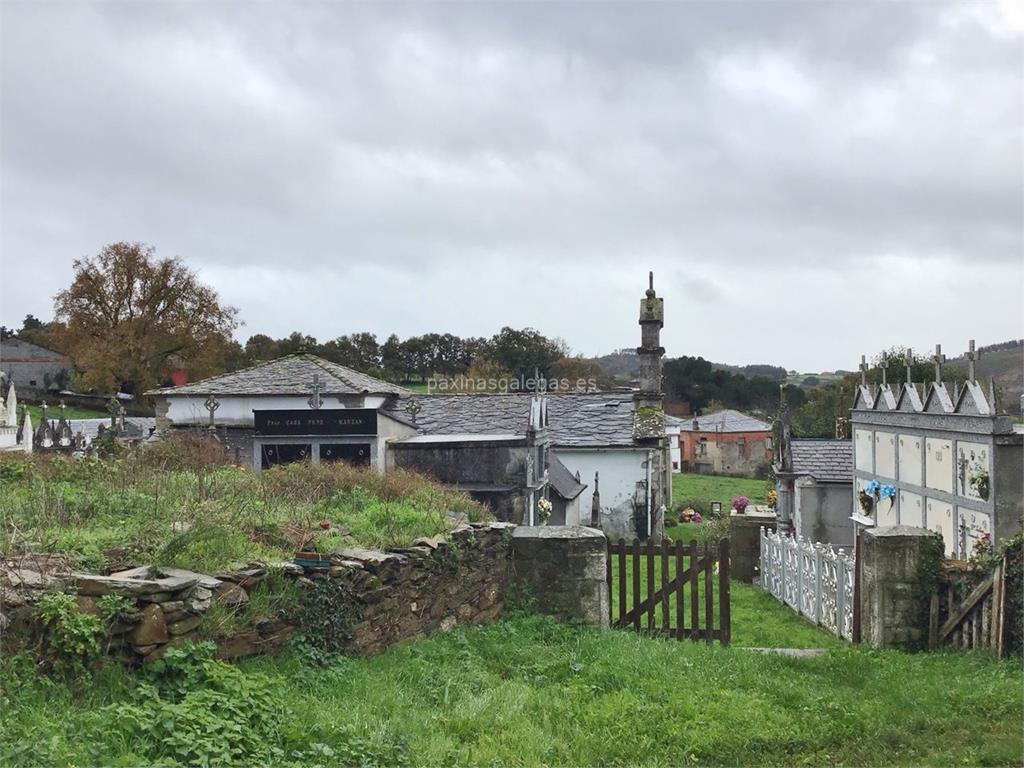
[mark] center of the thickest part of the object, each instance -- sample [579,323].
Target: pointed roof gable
[909,399]
[291,375]
[886,400]
[972,400]
[938,399]
[863,399]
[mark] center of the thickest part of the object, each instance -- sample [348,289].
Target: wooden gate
[674,579]
[975,621]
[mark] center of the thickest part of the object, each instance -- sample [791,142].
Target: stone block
[184,625]
[151,629]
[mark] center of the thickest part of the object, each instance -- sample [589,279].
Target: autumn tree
[129,317]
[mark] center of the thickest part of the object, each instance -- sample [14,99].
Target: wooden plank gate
[674,579]
[975,621]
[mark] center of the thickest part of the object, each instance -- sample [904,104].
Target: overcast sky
[809,181]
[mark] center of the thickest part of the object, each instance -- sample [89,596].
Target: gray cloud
[406,168]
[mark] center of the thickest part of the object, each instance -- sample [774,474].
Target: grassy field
[177,503]
[36,413]
[528,692]
[687,486]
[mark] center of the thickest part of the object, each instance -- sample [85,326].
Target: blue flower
[887,491]
[871,488]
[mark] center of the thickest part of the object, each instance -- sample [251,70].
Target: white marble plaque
[863,444]
[885,454]
[972,461]
[886,512]
[938,464]
[911,509]
[910,458]
[973,525]
[940,519]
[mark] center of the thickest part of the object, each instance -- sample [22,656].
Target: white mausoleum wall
[237,411]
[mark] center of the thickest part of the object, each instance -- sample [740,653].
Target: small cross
[315,401]
[863,371]
[211,405]
[112,408]
[908,360]
[938,358]
[413,407]
[972,357]
[883,365]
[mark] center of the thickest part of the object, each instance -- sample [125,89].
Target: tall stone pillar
[899,571]
[649,415]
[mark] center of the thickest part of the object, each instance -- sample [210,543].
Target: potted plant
[740,504]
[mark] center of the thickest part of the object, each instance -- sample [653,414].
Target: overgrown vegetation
[525,691]
[179,503]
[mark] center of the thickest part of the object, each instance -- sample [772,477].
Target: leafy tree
[129,316]
[525,352]
[261,347]
[578,368]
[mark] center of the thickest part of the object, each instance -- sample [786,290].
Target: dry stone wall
[390,596]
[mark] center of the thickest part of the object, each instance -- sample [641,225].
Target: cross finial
[972,358]
[908,361]
[112,408]
[650,285]
[863,371]
[938,358]
[212,404]
[413,407]
[315,401]
[884,364]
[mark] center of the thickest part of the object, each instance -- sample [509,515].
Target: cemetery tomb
[887,512]
[938,464]
[862,449]
[960,461]
[885,454]
[910,457]
[911,510]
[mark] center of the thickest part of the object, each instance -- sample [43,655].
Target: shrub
[71,639]
[189,451]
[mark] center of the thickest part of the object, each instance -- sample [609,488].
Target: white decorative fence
[814,580]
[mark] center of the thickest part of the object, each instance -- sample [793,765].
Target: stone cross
[315,401]
[908,361]
[938,358]
[211,405]
[413,407]
[884,364]
[112,408]
[863,371]
[972,358]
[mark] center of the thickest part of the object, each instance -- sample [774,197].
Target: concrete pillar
[745,543]
[899,571]
[564,567]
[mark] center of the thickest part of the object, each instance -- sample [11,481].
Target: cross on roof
[938,358]
[972,358]
[908,361]
[863,371]
[211,405]
[315,401]
[884,364]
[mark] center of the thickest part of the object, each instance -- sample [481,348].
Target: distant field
[52,412]
[717,488]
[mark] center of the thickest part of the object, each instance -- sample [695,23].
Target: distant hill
[1003,362]
[623,364]
[773,372]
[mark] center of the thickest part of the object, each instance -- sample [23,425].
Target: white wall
[620,469]
[237,411]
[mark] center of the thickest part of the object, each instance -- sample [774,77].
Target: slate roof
[827,461]
[291,375]
[563,482]
[574,419]
[726,421]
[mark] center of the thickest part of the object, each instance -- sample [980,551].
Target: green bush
[71,639]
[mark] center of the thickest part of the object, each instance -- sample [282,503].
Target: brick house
[724,443]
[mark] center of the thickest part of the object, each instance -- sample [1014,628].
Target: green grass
[36,413]
[528,692]
[152,507]
[686,485]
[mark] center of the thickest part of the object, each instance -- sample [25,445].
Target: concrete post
[564,567]
[745,543]
[900,566]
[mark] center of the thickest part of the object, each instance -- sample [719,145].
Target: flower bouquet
[544,510]
[978,480]
[740,504]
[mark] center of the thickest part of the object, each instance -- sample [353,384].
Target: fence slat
[694,603]
[636,582]
[622,578]
[665,620]
[709,600]
[680,613]
[650,585]
[724,618]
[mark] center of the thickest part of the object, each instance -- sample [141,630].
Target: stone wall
[564,568]
[390,596]
[899,573]
[745,543]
